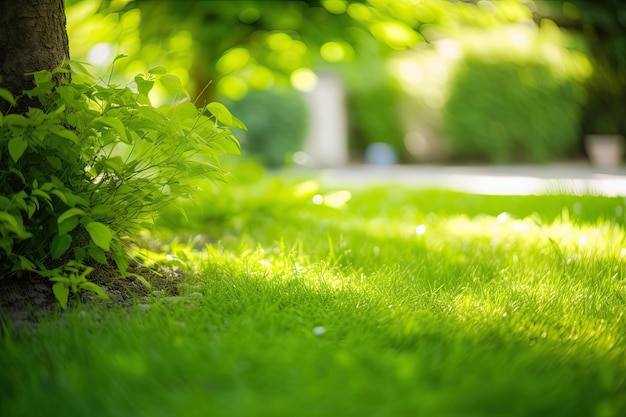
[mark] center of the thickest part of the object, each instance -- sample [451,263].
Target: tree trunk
[33,37]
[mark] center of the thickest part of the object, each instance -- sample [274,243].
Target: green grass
[398,303]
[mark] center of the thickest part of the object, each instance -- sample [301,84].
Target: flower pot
[605,150]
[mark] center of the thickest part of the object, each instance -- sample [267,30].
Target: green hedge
[277,122]
[372,100]
[506,110]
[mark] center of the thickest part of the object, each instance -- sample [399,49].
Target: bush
[88,169]
[373,104]
[504,109]
[277,122]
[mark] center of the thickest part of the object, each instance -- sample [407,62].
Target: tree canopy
[250,44]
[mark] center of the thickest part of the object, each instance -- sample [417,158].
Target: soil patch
[24,299]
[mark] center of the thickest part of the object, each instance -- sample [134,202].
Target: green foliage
[606,93]
[82,174]
[373,105]
[277,123]
[248,44]
[601,25]
[72,277]
[503,110]
[225,49]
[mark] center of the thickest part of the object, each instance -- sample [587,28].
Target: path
[571,178]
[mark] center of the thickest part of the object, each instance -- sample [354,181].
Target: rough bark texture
[33,37]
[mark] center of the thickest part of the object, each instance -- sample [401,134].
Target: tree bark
[33,37]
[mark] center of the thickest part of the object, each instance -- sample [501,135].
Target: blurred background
[325,83]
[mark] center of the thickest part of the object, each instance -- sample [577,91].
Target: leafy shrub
[82,174]
[501,109]
[277,122]
[373,104]
[605,112]
[603,28]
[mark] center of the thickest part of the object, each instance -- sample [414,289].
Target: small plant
[72,277]
[89,168]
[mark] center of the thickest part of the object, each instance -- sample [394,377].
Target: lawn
[388,301]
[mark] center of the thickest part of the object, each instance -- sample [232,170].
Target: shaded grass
[401,302]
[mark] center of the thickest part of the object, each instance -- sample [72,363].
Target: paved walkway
[571,178]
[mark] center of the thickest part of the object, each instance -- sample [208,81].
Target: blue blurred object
[380,153]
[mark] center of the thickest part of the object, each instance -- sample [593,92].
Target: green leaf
[42,76]
[65,134]
[171,83]
[100,234]
[239,124]
[17,146]
[79,254]
[41,194]
[74,200]
[68,225]
[158,71]
[151,114]
[16,120]
[226,144]
[58,111]
[120,56]
[55,162]
[61,293]
[114,124]
[6,95]
[59,245]
[13,223]
[101,209]
[70,213]
[79,68]
[6,244]
[59,194]
[121,260]
[114,163]
[19,174]
[90,286]
[144,86]
[221,113]
[19,200]
[32,207]
[47,186]
[60,70]
[186,110]
[97,254]
[141,279]
[26,264]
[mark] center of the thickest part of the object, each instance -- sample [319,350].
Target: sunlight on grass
[600,240]
[390,303]
[519,277]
